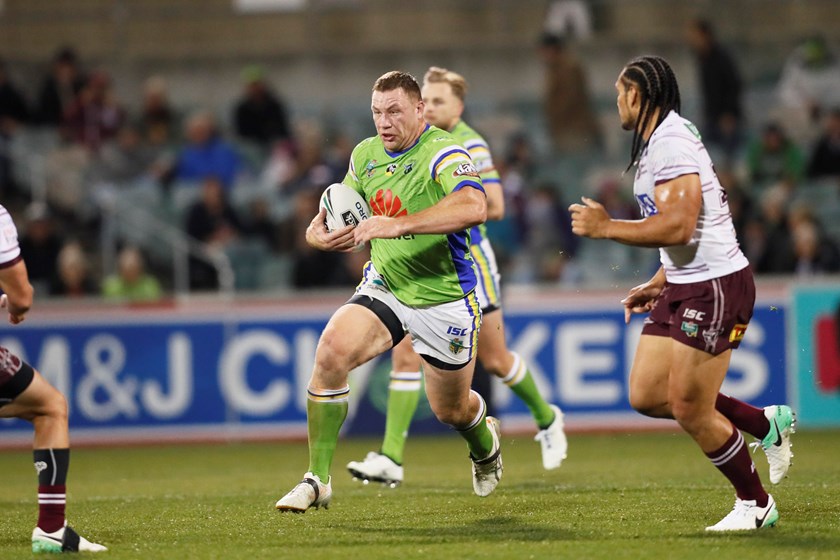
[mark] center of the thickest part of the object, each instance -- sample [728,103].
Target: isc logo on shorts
[694,314]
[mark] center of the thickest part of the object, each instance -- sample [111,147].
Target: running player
[701,299]
[425,194]
[25,394]
[444,92]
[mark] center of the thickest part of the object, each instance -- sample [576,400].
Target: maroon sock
[745,417]
[733,460]
[51,502]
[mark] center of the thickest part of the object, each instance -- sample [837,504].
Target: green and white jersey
[426,269]
[483,161]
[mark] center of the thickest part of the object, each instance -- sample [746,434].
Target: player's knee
[55,407]
[686,411]
[332,356]
[452,416]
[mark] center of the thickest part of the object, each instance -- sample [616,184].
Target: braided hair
[655,80]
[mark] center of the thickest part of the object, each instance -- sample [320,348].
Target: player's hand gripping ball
[344,207]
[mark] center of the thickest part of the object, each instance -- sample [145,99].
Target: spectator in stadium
[131,282]
[777,256]
[810,81]
[96,114]
[774,157]
[206,153]
[814,252]
[701,299]
[720,88]
[260,116]
[825,157]
[444,93]
[25,394]
[60,87]
[415,284]
[73,279]
[40,245]
[571,122]
[157,117]
[211,220]
[124,160]
[14,112]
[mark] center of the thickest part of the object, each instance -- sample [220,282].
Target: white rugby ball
[345,207]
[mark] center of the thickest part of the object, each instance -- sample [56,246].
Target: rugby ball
[344,206]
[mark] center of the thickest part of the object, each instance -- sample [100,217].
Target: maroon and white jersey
[9,248]
[675,149]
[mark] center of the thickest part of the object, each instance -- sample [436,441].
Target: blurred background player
[25,394]
[425,194]
[443,94]
[701,299]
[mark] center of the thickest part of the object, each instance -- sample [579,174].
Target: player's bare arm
[318,237]
[678,203]
[495,201]
[457,211]
[641,298]
[18,292]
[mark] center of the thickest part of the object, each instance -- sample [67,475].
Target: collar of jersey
[398,154]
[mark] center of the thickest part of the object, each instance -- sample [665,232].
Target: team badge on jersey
[465,169]
[390,169]
[408,167]
[370,168]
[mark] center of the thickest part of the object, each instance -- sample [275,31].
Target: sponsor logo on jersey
[390,169]
[737,333]
[386,203]
[369,168]
[408,167]
[456,345]
[689,328]
[465,169]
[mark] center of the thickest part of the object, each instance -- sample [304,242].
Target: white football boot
[747,516]
[487,472]
[377,468]
[310,492]
[553,441]
[776,443]
[62,540]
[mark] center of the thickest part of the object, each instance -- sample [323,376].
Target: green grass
[641,495]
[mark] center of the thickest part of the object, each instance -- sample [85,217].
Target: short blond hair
[438,75]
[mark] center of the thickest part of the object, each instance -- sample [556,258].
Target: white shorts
[445,335]
[487,273]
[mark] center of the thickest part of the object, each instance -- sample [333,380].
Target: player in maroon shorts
[25,394]
[701,299]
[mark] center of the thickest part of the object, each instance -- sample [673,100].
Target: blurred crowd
[247,185]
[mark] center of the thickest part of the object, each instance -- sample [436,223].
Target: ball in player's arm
[444,92]
[701,299]
[25,394]
[424,195]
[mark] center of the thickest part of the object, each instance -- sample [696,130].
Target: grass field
[641,495]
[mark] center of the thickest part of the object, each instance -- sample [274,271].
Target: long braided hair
[655,80]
